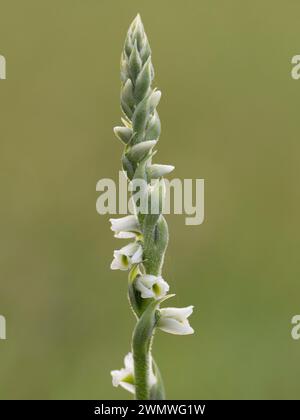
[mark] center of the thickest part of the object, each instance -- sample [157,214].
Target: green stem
[141,345]
[141,348]
[141,373]
[155,243]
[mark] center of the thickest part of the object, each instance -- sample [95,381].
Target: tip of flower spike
[137,21]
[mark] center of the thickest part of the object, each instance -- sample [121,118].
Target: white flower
[174,320]
[125,376]
[158,171]
[151,286]
[126,256]
[125,227]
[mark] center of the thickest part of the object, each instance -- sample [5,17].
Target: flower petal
[137,256]
[177,313]
[146,292]
[129,387]
[129,249]
[125,235]
[172,326]
[120,262]
[125,376]
[125,224]
[128,361]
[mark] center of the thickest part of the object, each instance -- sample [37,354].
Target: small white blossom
[158,171]
[174,320]
[125,227]
[151,286]
[126,256]
[125,376]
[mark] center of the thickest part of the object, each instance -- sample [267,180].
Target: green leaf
[157,391]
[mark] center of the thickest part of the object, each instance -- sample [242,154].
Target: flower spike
[143,257]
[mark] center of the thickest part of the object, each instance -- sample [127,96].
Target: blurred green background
[230,115]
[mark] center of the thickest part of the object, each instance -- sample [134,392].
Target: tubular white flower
[125,227]
[151,286]
[126,256]
[174,320]
[125,376]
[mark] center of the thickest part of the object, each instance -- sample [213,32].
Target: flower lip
[125,235]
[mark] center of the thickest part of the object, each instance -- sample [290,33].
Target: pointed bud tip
[123,133]
[137,22]
[155,98]
[157,95]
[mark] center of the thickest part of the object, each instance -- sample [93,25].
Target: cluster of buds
[148,230]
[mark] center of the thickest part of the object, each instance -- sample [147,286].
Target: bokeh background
[230,115]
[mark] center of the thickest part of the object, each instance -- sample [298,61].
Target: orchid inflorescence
[144,256]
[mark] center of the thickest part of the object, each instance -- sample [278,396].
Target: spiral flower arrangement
[146,227]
